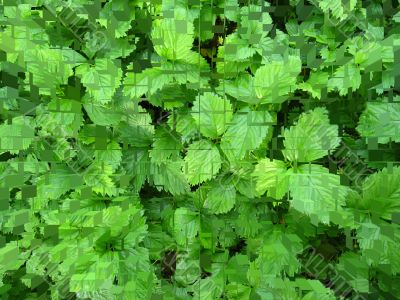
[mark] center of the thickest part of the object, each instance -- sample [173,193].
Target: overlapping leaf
[311,137]
[202,162]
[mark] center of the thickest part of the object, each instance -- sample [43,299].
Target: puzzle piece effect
[199,149]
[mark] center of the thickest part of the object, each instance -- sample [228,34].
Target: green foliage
[101,80]
[202,161]
[246,132]
[316,192]
[311,137]
[379,121]
[199,150]
[211,114]
[276,79]
[173,36]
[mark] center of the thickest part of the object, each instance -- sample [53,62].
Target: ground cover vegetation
[199,149]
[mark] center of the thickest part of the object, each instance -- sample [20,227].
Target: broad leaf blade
[246,133]
[316,192]
[211,114]
[203,162]
[311,137]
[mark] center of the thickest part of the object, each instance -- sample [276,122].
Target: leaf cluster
[199,149]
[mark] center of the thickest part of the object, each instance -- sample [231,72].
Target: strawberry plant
[199,149]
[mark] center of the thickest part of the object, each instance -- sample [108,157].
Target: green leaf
[99,177]
[315,84]
[203,24]
[316,192]
[173,37]
[112,20]
[31,165]
[57,182]
[246,133]
[381,193]
[184,124]
[346,77]
[8,253]
[221,198]
[146,82]
[237,291]
[237,268]
[202,162]
[139,288]
[338,8]
[232,11]
[278,254]
[168,176]
[158,241]
[187,269]
[228,65]
[317,290]
[396,17]
[379,121]
[242,177]
[271,176]
[241,88]
[16,136]
[311,137]
[51,67]
[198,168]
[247,227]
[137,130]
[186,225]
[355,271]
[211,114]
[102,115]
[274,81]
[60,118]
[101,79]
[136,163]
[379,245]
[111,156]
[236,49]
[11,258]
[166,145]
[211,287]
[252,22]
[151,80]
[188,71]
[172,96]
